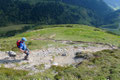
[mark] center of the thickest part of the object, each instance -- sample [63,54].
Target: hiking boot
[25,58]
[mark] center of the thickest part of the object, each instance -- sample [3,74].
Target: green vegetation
[113,31]
[115,4]
[37,1]
[112,22]
[102,65]
[52,12]
[74,33]
[112,28]
[11,74]
[45,12]
[113,17]
[7,29]
[41,38]
[14,29]
[55,12]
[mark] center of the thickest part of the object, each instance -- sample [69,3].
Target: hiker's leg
[27,54]
[26,57]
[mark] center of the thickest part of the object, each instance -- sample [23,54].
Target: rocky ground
[51,56]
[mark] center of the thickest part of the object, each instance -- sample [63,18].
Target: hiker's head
[24,39]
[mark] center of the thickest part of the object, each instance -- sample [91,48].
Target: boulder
[11,53]
[81,55]
[84,55]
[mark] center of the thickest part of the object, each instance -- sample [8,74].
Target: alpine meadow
[59,40]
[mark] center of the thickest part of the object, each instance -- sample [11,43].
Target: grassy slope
[113,28]
[102,65]
[114,31]
[12,27]
[11,74]
[74,33]
[61,32]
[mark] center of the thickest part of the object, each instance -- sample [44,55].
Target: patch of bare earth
[51,56]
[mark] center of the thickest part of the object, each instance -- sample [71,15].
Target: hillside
[52,12]
[64,38]
[113,17]
[112,22]
[67,51]
[43,13]
[62,32]
[115,4]
[39,12]
[99,6]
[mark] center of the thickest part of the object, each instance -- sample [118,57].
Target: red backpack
[18,43]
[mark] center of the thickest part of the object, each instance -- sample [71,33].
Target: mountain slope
[112,22]
[53,12]
[61,32]
[113,17]
[99,6]
[115,4]
[96,5]
[69,50]
[16,12]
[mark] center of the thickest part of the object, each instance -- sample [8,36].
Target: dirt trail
[51,56]
[75,42]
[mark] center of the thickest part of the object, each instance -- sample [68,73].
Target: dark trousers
[27,54]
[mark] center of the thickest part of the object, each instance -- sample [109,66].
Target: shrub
[12,74]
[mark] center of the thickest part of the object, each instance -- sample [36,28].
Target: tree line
[45,12]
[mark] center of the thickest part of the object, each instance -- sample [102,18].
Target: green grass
[114,31]
[102,65]
[12,74]
[72,32]
[113,28]
[75,33]
[12,27]
[7,44]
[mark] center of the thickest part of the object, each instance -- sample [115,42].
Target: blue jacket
[22,46]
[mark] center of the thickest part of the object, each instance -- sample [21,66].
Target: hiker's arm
[22,50]
[21,46]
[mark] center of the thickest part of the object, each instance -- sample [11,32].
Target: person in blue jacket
[23,48]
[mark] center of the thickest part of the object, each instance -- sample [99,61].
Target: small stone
[47,66]
[78,53]
[64,54]
[55,64]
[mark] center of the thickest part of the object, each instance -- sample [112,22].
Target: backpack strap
[18,43]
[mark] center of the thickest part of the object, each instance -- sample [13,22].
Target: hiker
[23,48]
